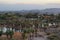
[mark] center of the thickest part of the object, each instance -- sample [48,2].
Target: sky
[28,4]
[29,1]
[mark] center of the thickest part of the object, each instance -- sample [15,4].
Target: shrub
[9,33]
[1,32]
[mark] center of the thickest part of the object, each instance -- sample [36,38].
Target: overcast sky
[28,4]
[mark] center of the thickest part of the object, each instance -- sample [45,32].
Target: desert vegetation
[26,26]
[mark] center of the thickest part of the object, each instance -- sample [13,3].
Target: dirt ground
[16,36]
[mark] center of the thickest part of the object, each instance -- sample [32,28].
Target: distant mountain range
[50,11]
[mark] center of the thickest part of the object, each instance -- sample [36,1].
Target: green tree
[10,33]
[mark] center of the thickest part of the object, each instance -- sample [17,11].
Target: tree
[10,33]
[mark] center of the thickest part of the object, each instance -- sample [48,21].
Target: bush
[9,33]
[54,37]
[48,33]
[1,32]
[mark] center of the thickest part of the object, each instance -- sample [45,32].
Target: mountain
[48,11]
[17,7]
[51,10]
